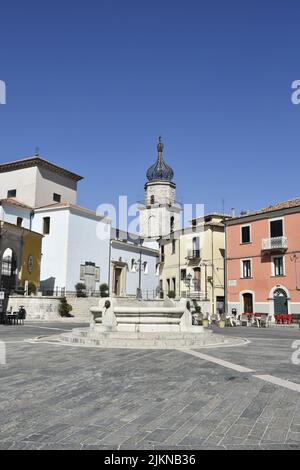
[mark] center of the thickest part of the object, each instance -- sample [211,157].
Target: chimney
[232,212]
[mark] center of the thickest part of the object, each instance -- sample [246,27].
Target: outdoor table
[11,319]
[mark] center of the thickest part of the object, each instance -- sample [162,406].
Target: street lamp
[138,266]
[188,282]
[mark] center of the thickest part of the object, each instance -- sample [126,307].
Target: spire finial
[160,145]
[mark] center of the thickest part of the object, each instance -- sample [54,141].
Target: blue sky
[94,83]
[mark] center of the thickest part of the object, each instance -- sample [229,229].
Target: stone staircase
[137,340]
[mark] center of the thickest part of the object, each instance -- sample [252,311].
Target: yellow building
[31,257]
[192,262]
[20,256]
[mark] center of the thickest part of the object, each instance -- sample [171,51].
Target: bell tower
[160,215]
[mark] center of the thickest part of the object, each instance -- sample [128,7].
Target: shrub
[171,294]
[104,290]
[64,308]
[31,288]
[80,289]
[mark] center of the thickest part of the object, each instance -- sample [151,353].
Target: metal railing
[63,292]
[193,254]
[275,243]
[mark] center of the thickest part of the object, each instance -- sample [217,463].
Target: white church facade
[39,195]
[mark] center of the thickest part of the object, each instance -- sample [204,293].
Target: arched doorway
[8,270]
[248,302]
[280,302]
[197,279]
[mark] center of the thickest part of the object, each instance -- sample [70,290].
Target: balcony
[274,244]
[193,254]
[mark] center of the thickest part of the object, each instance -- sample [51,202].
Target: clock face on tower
[30,263]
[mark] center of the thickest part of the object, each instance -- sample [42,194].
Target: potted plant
[104,290]
[222,321]
[205,322]
[65,308]
[171,294]
[80,289]
[31,288]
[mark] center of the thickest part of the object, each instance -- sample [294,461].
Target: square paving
[63,397]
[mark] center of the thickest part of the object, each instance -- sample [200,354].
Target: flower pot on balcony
[221,323]
[205,323]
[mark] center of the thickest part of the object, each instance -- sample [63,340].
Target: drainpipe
[139,291]
[30,219]
[205,270]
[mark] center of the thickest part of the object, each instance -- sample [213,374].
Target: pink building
[263,260]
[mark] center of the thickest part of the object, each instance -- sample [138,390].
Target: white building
[72,250]
[36,182]
[134,266]
[39,195]
[42,196]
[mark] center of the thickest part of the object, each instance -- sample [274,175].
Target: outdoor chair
[244,320]
[264,320]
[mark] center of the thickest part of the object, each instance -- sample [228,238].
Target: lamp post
[188,281]
[138,265]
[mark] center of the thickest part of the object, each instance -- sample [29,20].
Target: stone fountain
[132,323]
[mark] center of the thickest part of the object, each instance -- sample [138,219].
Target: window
[183,274]
[276,228]
[173,247]
[246,268]
[278,268]
[172,224]
[11,193]
[46,225]
[162,253]
[19,221]
[196,247]
[133,266]
[174,284]
[145,267]
[152,200]
[56,197]
[245,234]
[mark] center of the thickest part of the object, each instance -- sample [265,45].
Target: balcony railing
[274,244]
[193,254]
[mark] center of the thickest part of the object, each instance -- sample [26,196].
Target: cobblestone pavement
[61,397]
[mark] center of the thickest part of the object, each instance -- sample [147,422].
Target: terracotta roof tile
[36,160]
[14,202]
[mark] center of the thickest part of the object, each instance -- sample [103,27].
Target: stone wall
[37,308]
